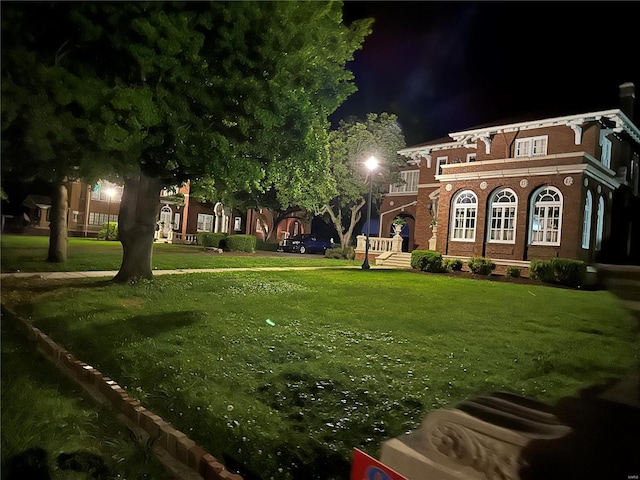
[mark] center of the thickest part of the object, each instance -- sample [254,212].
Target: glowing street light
[110,192]
[371,164]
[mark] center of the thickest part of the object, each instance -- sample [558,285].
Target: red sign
[366,467]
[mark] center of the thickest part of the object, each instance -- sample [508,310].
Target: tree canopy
[237,93]
[351,143]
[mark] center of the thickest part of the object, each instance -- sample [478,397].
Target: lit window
[502,222]
[599,223]
[409,182]
[586,222]
[205,222]
[546,217]
[439,162]
[532,146]
[465,209]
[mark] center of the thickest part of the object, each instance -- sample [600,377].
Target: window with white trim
[463,219]
[101,218]
[599,223]
[410,182]
[605,144]
[502,221]
[532,146]
[471,157]
[586,221]
[546,217]
[176,221]
[205,222]
[439,162]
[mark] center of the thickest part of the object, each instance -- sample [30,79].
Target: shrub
[111,228]
[427,260]
[569,272]
[266,246]
[481,265]
[239,243]
[339,253]
[452,264]
[542,270]
[209,239]
[513,272]
[563,271]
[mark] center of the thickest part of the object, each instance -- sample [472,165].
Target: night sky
[447,66]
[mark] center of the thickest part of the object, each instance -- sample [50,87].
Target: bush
[266,246]
[239,243]
[209,239]
[427,261]
[559,270]
[563,271]
[111,228]
[339,253]
[452,264]
[481,265]
[513,272]
[542,270]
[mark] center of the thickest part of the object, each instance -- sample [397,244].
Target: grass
[42,409]
[28,254]
[353,358]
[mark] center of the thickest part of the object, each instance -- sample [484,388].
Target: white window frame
[605,151]
[176,221]
[464,216]
[546,213]
[600,222]
[531,146]
[502,213]
[471,157]
[205,219]
[586,221]
[439,162]
[410,182]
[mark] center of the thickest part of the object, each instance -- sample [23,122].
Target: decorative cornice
[586,168]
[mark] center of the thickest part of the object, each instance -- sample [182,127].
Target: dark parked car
[306,243]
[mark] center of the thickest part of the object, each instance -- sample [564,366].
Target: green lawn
[353,358]
[28,254]
[42,409]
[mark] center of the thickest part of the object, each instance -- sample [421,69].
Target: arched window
[586,222]
[465,209]
[599,223]
[546,217]
[502,220]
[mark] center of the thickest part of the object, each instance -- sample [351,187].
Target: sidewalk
[113,273]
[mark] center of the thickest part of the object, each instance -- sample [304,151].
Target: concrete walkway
[113,273]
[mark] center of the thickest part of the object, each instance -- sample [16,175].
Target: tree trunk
[345,234]
[136,225]
[58,224]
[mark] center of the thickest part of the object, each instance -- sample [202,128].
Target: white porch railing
[379,244]
[189,238]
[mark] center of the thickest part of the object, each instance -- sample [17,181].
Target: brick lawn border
[185,459]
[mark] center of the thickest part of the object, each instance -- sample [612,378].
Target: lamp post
[110,192]
[371,164]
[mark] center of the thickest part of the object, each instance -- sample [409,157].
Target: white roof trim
[469,138]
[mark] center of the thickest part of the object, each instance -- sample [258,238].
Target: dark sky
[447,66]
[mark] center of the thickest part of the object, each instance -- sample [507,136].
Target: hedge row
[229,243]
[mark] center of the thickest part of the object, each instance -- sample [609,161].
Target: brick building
[553,187]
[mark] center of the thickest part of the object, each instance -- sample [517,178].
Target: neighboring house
[179,217]
[553,187]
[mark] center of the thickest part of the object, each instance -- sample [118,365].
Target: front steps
[394,260]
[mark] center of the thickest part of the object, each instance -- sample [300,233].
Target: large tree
[44,131]
[236,92]
[351,144]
